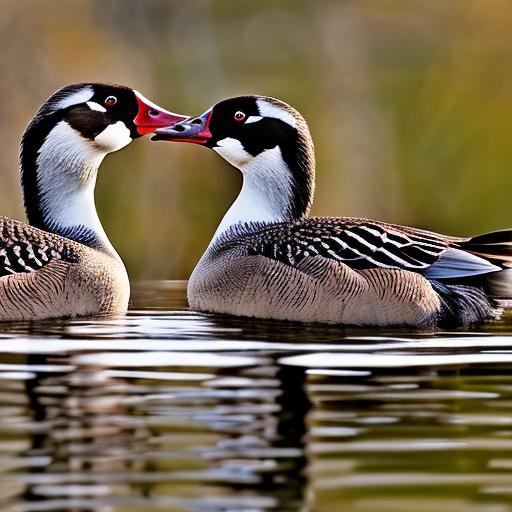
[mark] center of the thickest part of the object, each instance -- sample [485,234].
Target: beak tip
[186,130]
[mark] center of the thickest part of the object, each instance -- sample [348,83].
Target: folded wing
[364,244]
[25,249]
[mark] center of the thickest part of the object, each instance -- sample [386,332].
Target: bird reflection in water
[224,439]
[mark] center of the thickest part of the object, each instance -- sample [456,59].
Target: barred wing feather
[364,244]
[25,249]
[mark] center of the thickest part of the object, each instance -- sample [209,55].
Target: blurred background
[409,103]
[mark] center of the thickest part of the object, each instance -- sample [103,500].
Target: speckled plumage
[44,275]
[289,271]
[361,243]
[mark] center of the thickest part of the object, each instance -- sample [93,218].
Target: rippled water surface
[167,409]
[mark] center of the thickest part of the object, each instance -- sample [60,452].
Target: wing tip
[456,263]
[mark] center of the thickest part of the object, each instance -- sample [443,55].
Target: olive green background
[409,103]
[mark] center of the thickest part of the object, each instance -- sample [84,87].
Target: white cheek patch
[113,137]
[76,98]
[270,110]
[253,119]
[96,106]
[232,150]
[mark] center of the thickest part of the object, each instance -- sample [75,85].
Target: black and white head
[66,141]
[269,142]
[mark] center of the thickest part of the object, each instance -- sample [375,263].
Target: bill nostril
[153,112]
[179,128]
[196,121]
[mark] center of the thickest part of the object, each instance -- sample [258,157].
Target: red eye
[110,101]
[239,116]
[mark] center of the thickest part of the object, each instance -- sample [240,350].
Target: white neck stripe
[76,98]
[268,109]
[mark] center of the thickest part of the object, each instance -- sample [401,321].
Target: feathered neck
[278,183]
[58,175]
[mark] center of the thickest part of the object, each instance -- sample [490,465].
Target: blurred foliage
[409,102]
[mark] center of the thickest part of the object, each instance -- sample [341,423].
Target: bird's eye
[110,101]
[239,116]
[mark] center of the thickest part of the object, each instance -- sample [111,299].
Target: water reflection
[171,410]
[192,440]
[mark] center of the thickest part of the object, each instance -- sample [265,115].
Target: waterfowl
[62,263]
[269,259]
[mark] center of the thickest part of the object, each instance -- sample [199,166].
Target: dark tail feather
[497,248]
[464,305]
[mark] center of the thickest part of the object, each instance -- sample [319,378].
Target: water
[171,410]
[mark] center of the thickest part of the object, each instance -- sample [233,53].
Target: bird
[61,263]
[270,259]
